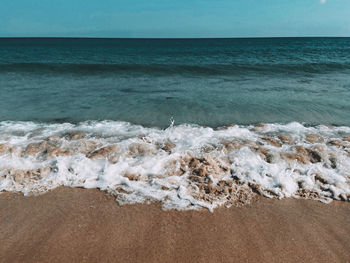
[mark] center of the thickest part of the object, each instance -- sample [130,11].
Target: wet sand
[79,225]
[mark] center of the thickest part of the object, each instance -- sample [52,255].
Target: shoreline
[87,225]
[183,166]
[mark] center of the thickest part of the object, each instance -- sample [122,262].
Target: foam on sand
[183,167]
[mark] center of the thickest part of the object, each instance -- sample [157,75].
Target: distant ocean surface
[210,82]
[195,123]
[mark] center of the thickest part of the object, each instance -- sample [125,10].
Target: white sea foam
[183,167]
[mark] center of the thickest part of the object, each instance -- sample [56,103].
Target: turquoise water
[211,82]
[131,117]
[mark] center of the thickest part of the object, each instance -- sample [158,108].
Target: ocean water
[189,123]
[210,82]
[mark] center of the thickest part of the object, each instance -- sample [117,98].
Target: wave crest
[235,69]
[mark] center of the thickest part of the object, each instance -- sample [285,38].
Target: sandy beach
[79,225]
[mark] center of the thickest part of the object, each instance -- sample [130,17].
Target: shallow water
[183,167]
[151,120]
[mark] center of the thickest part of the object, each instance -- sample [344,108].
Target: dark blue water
[210,82]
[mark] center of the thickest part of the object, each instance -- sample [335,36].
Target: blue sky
[174,18]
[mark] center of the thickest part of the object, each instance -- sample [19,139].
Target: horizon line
[168,38]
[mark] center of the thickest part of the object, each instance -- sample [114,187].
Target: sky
[174,18]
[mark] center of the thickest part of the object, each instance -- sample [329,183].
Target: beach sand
[80,225]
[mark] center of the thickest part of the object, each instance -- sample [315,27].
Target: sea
[189,123]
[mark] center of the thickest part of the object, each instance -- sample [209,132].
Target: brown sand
[78,225]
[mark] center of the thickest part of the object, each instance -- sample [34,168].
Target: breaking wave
[183,167]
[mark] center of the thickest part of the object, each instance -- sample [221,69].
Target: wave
[175,69]
[183,167]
